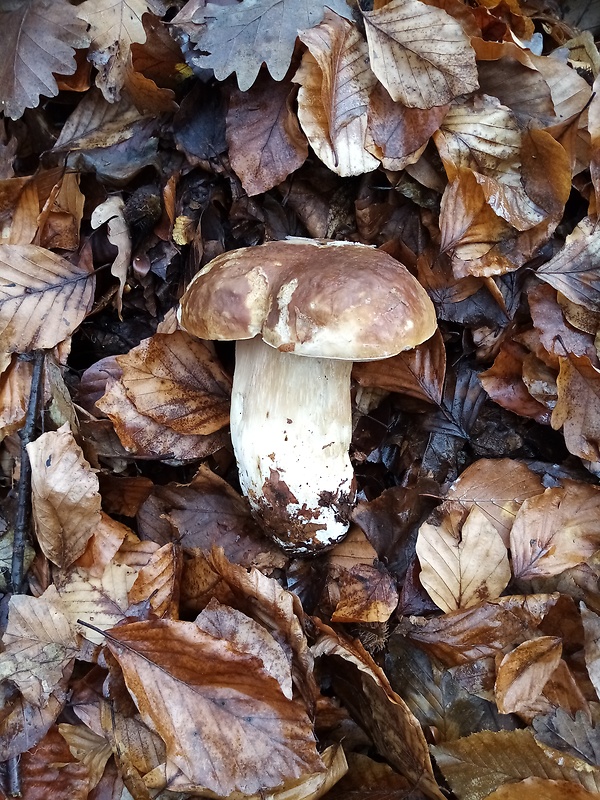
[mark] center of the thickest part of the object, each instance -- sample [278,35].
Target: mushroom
[302,311]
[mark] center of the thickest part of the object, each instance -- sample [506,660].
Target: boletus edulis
[302,311]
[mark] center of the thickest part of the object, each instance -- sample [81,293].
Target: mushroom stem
[291,425]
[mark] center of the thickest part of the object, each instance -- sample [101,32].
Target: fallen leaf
[15,385]
[178,675]
[523,673]
[24,724]
[419,53]
[40,37]
[534,788]
[90,749]
[335,83]
[577,408]
[65,497]
[259,31]
[157,583]
[462,569]
[264,139]
[576,735]
[176,381]
[555,530]
[591,627]
[49,768]
[43,297]
[111,211]
[368,593]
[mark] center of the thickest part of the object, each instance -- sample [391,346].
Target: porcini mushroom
[302,311]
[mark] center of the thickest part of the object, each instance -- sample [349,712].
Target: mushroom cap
[321,299]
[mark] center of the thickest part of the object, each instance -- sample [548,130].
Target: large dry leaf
[418,373]
[523,673]
[225,721]
[577,409]
[535,788]
[264,138]
[141,435]
[114,26]
[461,570]
[478,632]
[556,530]
[240,39]
[176,381]
[43,297]
[366,691]
[65,497]
[573,269]
[519,87]
[40,645]
[497,487]
[39,37]
[420,53]
[335,83]
[478,764]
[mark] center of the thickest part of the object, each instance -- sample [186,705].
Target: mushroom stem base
[291,425]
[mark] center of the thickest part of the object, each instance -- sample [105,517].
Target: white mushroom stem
[291,425]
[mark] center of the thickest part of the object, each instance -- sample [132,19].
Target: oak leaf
[251,736]
[420,53]
[43,297]
[39,39]
[335,83]
[65,497]
[240,39]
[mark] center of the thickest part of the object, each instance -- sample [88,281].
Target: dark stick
[22,521]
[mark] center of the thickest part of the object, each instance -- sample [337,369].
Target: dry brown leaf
[591,627]
[418,373]
[61,217]
[556,530]
[157,583]
[556,335]
[40,645]
[478,632]
[15,385]
[247,636]
[251,736]
[43,297]
[459,570]
[65,497]
[420,53]
[22,724]
[335,83]
[368,593]
[143,436]
[572,269]
[523,673]
[39,38]
[111,211]
[264,138]
[49,770]
[397,135]
[520,87]
[535,788]
[102,546]
[577,408]
[478,764]
[114,27]
[176,381]
[90,749]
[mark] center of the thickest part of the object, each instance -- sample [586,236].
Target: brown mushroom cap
[329,300]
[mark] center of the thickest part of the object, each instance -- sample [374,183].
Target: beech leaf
[39,39]
[420,53]
[461,570]
[577,408]
[65,497]
[226,723]
[240,39]
[43,297]
[522,673]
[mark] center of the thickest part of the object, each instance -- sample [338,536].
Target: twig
[22,521]
[24,491]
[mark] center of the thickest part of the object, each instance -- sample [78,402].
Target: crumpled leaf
[523,673]
[40,645]
[114,26]
[240,39]
[335,83]
[264,138]
[577,408]
[572,269]
[176,381]
[39,39]
[367,594]
[251,737]
[43,297]
[92,750]
[459,570]
[478,764]
[65,497]
[556,530]
[420,53]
